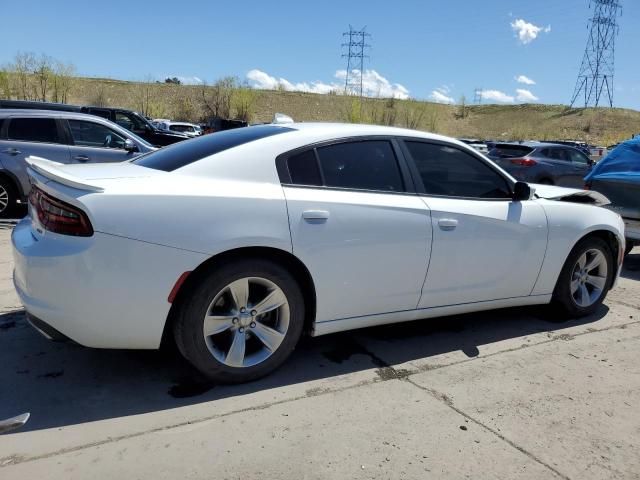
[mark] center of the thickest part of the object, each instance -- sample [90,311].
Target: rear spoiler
[53,171]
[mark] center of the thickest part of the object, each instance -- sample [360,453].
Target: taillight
[58,216]
[523,162]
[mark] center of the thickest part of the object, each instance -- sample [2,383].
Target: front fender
[568,224]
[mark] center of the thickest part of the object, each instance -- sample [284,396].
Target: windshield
[180,154]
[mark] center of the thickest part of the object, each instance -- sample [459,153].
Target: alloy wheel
[589,277]
[4,199]
[246,322]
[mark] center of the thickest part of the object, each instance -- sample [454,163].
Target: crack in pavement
[385,372]
[449,403]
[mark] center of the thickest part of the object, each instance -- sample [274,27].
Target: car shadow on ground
[65,384]
[631,266]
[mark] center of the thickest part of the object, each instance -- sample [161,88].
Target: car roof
[8,112]
[336,130]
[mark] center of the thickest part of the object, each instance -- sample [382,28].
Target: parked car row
[59,136]
[132,121]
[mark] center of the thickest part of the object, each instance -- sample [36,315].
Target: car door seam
[546,247]
[426,273]
[286,206]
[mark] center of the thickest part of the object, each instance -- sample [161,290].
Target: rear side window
[508,151]
[186,152]
[448,171]
[33,130]
[303,169]
[366,165]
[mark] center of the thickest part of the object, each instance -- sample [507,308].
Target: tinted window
[367,165]
[451,172]
[1,124]
[90,134]
[183,153]
[507,150]
[129,121]
[303,169]
[577,157]
[33,130]
[556,154]
[100,113]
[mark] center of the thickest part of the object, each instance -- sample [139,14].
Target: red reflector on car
[58,216]
[524,162]
[176,288]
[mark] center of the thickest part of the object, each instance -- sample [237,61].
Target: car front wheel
[585,278]
[241,321]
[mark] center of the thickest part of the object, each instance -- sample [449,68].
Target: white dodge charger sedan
[235,243]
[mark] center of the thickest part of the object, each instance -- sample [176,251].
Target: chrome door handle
[81,158]
[448,223]
[315,215]
[12,151]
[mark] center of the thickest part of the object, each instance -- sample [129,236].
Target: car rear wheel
[241,321]
[8,198]
[585,278]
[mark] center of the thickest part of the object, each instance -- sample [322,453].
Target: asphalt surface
[500,394]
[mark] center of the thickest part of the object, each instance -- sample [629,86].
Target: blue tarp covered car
[618,178]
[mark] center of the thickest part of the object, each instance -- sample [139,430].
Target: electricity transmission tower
[596,71]
[356,48]
[477,96]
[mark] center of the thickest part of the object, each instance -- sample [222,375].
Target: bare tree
[5,85]
[244,100]
[217,99]
[143,95]
[62,81]
[43,73]
[23,66]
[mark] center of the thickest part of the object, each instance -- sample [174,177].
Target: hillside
[515,122]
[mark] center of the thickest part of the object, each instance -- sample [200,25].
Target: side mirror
[522,191]
[129,146]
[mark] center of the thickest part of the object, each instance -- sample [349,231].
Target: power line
[356,47]
[596,71]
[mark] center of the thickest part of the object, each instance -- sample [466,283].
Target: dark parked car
[618,178]
[547,163]
[128,119]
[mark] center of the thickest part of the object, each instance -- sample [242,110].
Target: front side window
[365,165]
[90,134]
[448,171]
[33,130]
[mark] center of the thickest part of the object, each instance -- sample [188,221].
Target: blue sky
[424,49]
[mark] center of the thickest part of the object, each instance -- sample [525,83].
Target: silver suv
[58,136]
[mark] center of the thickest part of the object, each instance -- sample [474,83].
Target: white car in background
[237,242]
[189,129]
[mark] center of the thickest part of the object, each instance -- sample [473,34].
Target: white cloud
[525,96]
[527,32]
[373,84]
[524,79]
[441,95]
[496,96]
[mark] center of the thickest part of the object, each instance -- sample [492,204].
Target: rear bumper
[101,291]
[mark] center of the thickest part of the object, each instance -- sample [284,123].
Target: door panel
[367,252]
[483,250]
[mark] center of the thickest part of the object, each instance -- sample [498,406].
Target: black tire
[628,247]
[545,181]
[563,301]
[8,198]
[188,327]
